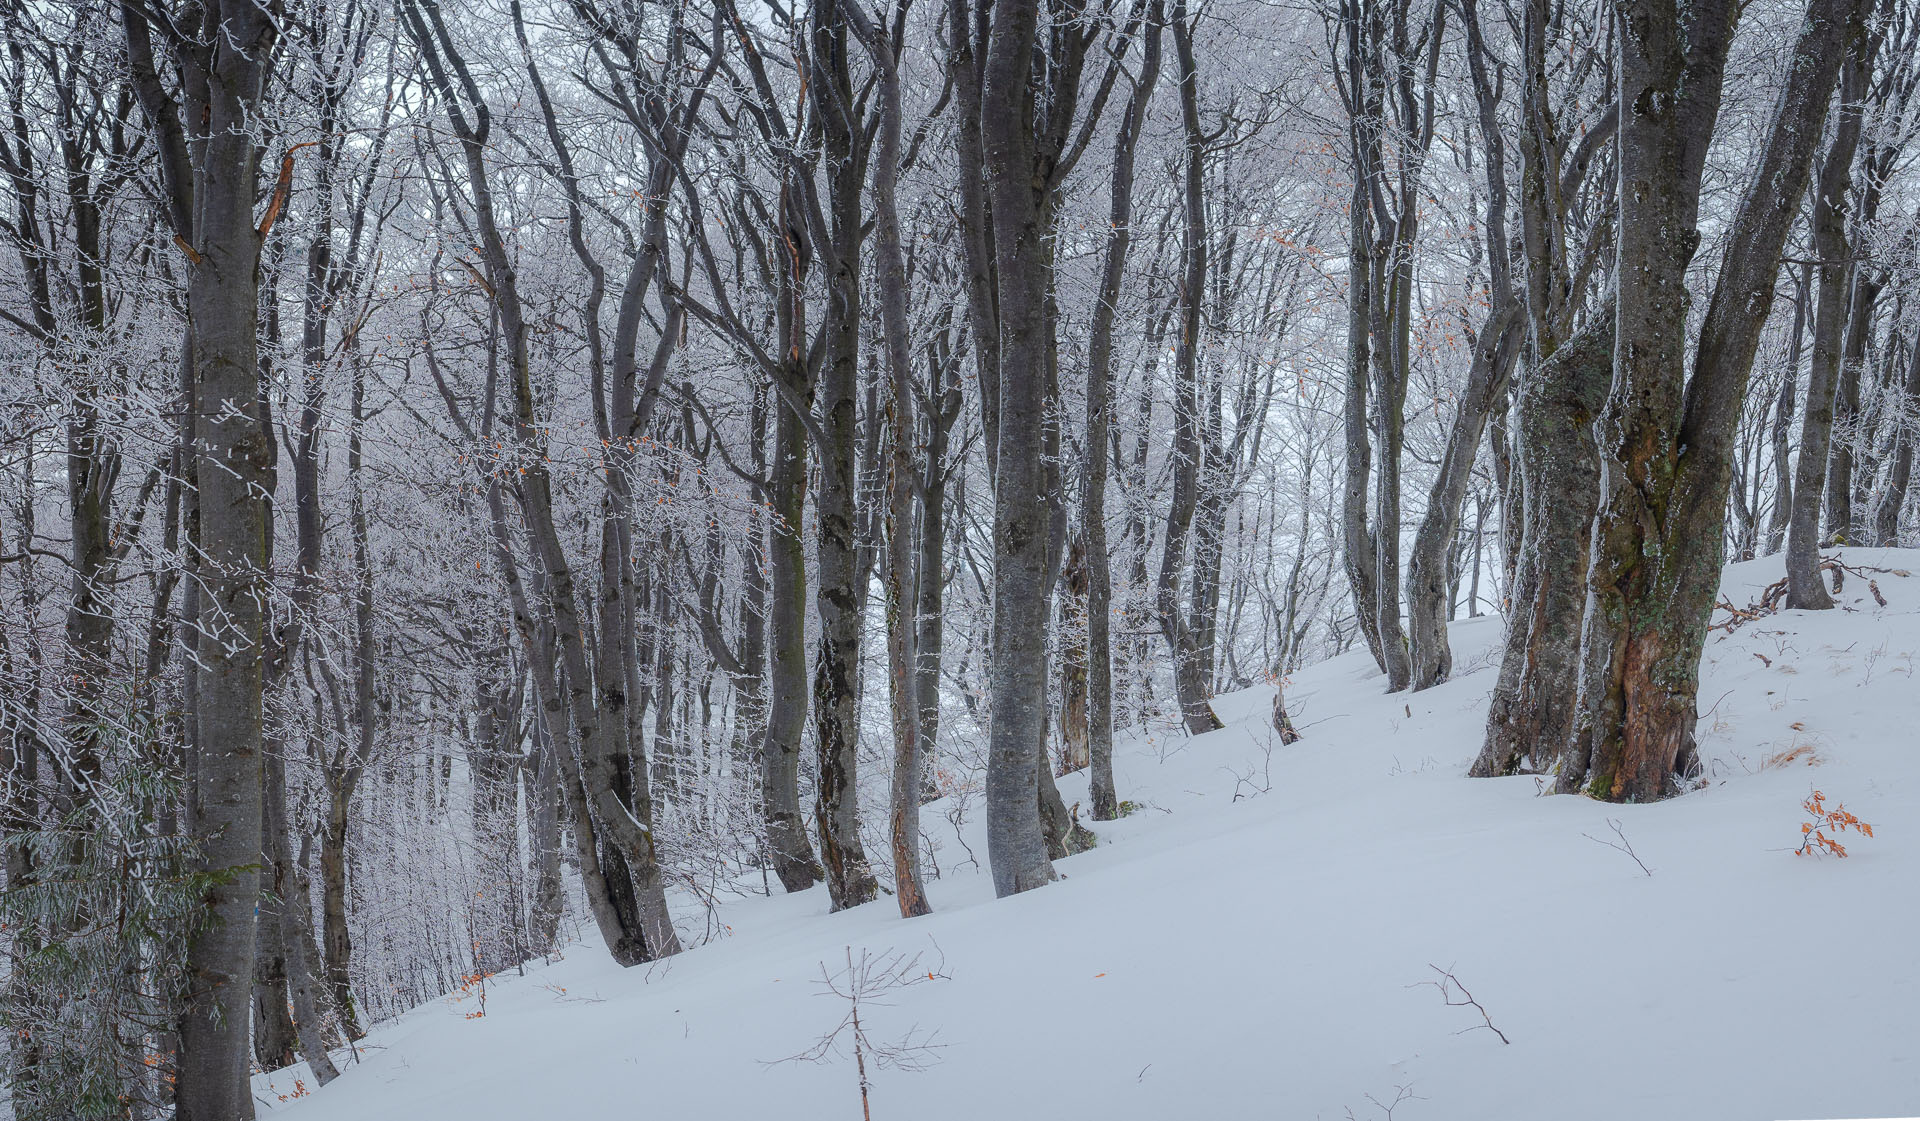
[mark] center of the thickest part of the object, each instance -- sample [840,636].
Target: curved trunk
[1190,671]
[1429,589]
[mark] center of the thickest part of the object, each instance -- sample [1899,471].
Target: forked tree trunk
[1668,446]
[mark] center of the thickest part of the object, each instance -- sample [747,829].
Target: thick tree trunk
[1667,451]
[1016,847]
[224,63]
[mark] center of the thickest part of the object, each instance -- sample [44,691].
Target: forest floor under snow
[1256,941]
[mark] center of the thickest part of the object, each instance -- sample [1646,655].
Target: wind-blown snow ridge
[1254,942]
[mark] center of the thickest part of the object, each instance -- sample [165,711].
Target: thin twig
[1622,844]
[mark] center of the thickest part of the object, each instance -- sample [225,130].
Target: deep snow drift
[1254,941]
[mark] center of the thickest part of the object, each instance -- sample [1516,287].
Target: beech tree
[475,477]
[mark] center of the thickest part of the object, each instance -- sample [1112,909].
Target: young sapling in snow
[864,983]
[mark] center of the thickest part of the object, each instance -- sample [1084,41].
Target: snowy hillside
[1256,940]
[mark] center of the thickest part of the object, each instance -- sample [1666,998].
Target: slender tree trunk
[293,919]
[1886,515]
[839,598]
[792,852]
[1429,593]
[1836,274]
[1781,429]
[1190,672]
[899,573]
[1093,517]
[944,375]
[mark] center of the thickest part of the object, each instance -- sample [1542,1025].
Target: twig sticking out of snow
[1457,996]
[1403,1094]
[1621,845]
[865,982]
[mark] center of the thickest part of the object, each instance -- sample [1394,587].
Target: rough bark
[1667,440]
[838,600]
[1528,718]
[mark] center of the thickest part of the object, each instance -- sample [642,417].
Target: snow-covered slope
[1255,940]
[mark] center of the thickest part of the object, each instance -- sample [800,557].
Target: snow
[1255,940]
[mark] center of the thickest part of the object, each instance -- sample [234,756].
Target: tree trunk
[1886,516]
[944,376]
[1528,718]
[1805,591]
[1093,517]
[1021,226]
[1668,443]
[223,64]
[1190,672]
[902,593]
[792,852]
[1781,429]
[293,919]
[836,697]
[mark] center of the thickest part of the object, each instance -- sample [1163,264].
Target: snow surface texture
[1254,940]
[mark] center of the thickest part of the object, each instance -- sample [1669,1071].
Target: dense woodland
[476,474]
